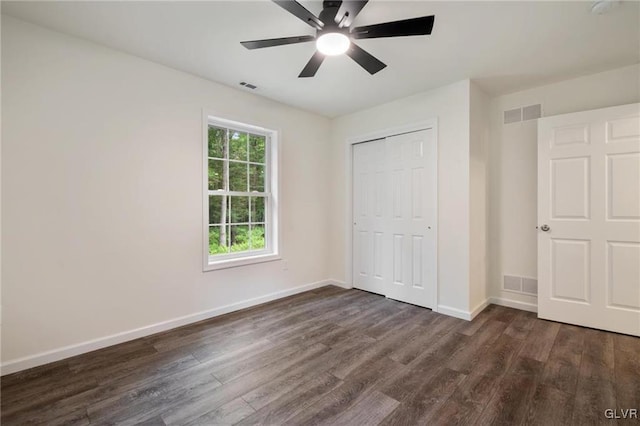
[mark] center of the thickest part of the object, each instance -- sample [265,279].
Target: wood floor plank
[469,328]
[625,343]
[76,416]
[328,408]
[598,348]
[228,414]
[549,406]
[248,323]
[75,405]
[336,356]
[380,349]
[34,376]
[291,403]
[398,321]
[27,399]
[509,403]
[372,308]
[311,331]
[229,351]
[234,368]
[286,383]
[150,401]
[521,325]
[504,314]
[197,405]
[467,356]
[452,413]
[438,352]
[102,358]
[563,366]
[370,410]
[498,356]
[467,401]
[542,337]
[594,394]
[424,338]
[155,421]
[420,404]
[627,378]
[378,316]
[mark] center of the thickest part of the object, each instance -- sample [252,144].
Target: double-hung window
[240,196]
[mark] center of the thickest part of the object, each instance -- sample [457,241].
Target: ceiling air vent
[248,85]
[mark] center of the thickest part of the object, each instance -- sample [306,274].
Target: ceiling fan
[334,35]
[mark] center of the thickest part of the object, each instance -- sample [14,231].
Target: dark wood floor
[340,357]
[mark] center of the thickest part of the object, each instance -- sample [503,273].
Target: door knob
[545,228]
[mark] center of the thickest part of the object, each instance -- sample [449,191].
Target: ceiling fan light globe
[332,44]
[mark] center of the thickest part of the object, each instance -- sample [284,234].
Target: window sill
[243,261]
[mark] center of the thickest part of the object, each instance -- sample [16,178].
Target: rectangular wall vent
[248,85]
[530,286]
[521,285]
[513,116]
[512,283]
[532,112]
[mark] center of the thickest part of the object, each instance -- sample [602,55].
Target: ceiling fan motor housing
[327,16]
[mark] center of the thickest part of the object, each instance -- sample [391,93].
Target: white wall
[478,197]
[513,167]
[102,190]
[450,105]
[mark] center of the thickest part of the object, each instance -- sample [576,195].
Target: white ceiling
[505,46]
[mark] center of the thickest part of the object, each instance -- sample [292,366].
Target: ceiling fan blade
[300,12]
[348,11]
[312,66]
[365,59]
[406,27]
[259,44]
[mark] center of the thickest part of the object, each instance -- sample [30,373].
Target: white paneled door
[589,218]
[394,217]
[370,212]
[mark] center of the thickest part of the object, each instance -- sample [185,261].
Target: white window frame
[272,235]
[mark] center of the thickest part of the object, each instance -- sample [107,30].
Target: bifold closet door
[370,213]
[395,209]
[412,221]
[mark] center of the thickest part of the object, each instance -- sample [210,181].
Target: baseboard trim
[54,355]
[341,284]
[479,308]
[516,304]
[454,312]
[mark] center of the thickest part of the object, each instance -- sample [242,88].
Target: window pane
[216,142]
[257,148]
[216,175]
[218,240]
[238,177]
[256,237]
[239,209]
[257,209]
[237,145]
[256,178]
[239,238]
[218,209]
